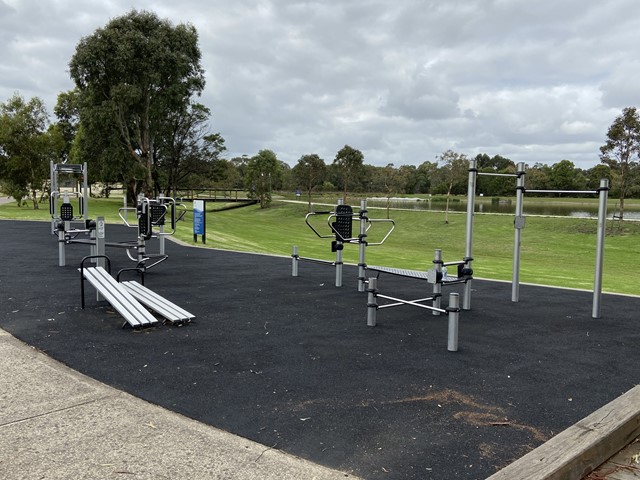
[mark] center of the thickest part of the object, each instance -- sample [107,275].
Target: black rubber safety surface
[290,362]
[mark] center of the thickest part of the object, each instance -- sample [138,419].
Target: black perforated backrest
[66,212]
[157,214]
[343,222]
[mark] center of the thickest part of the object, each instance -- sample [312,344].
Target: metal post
[372,305]
[437,286]
[100,247]
[471,201]
[161,228]
[602,219]
[85,193]
[362,245]
[518,224]
[61,246]
[454,312]
[339,246]
[294,261]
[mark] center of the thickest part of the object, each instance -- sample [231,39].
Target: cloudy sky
[401,81]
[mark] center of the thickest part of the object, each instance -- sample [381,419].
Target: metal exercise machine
[437,276]
[130,299]
[340,222]
[69,225]
[452,311]
[151,216]
[519,224]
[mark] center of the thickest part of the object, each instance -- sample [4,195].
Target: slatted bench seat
[119,297]
[419,274]
[172,312]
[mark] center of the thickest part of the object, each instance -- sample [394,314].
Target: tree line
[134,117]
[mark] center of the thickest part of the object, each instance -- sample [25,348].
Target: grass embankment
[555,251]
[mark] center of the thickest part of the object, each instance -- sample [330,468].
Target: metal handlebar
[336,233]
[388,220]
[306,219]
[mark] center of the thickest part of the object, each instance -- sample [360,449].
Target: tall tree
[620,149]
[131,75]
[28,143]
[186,147]
[455,167]
[350,162]
[67,113]
[262,172]
[310,172]
[565,176]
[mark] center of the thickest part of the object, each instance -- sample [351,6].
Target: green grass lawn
[554,251]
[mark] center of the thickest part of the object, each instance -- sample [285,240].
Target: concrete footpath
[58,424]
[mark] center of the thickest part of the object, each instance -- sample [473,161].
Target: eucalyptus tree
[132,75]
[454,169]
[310,172]
[28,143]
[186,148]
[262,172]
[622,150]
[349,162]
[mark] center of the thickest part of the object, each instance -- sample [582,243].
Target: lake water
[507,206]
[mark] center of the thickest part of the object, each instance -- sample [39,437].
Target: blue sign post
[199,220]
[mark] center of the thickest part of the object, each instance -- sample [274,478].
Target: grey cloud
[401,81]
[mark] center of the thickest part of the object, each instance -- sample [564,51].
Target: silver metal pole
[294,261]
[454,312]
[518,224]
[85,193]
[161,228]
[100,247]
[437,287]
[471,201]
[372,305]
[602,219]
[362,245]
[339,245]
[62,261]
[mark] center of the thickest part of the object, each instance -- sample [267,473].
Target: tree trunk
[446,208]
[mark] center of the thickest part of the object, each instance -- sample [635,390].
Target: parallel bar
[487,174]
[585,192]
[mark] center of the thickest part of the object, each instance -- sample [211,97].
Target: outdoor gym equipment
[75,227]
[452,311]
[151,216]
[129,298]
[66,223]
[438,276]
[519,224]
[340,222]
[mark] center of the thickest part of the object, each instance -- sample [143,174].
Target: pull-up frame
[519,223]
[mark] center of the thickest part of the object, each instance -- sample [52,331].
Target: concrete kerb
[59,424]
[581,448]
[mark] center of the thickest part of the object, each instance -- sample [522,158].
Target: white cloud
[402,81]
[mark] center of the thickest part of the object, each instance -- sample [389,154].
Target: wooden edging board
[581,448]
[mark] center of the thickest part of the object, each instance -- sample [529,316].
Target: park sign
[199,220]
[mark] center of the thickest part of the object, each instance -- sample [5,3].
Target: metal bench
[118,296]
[172,312]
